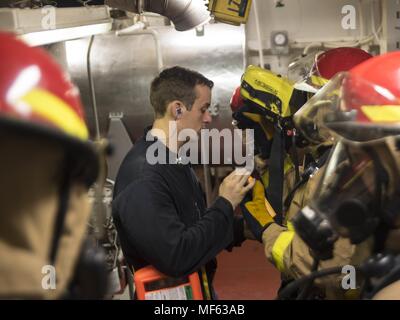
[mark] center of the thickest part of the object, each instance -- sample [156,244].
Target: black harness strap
[64,195]
[274,191]
[305,177]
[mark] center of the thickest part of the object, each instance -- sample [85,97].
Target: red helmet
[37,97]
[359,187]
[236,100]
[371,95]
[328,63]
[362,104]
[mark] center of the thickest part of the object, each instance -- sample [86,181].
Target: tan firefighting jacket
[25,270]
[29,204]
[286,250]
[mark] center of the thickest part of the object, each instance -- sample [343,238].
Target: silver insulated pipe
[185,14]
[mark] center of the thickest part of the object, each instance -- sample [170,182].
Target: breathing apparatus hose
[293,286]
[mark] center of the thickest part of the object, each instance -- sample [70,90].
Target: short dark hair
[176,83]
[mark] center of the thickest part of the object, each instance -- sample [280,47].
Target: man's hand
[235,186]
[257,213]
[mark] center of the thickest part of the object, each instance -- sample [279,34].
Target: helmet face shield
[299,72]
[351,108]
[327,64]
[315,80]
[309,75]
[309,119]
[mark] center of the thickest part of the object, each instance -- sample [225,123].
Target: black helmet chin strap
[90,276]
[64,195]
[274,191]
[381,185]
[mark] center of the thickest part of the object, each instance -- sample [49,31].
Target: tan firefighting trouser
[29,198]
[291,255]
[391,292]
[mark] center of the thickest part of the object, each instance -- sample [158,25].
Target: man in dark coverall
[159,209]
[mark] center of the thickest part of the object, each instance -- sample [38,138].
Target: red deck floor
[245,274]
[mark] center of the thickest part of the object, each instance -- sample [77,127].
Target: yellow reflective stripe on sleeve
[290,226]
[352,294]
[280,246]
[386,113]
[52,108]
[205,284]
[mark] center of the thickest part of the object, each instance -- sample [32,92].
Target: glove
[257,212]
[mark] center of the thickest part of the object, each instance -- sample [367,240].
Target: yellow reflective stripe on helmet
[385,113]
[280,246]
[52,108]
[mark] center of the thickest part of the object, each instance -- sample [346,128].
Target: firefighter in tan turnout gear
[357,195]
[283,247]
[46,166]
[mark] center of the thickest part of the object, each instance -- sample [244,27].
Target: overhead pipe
[185,14]
[259,38]
[92,90]
[139,28]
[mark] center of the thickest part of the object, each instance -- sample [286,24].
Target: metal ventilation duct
[185,14]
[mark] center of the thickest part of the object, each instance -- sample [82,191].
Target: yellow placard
[230,11]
